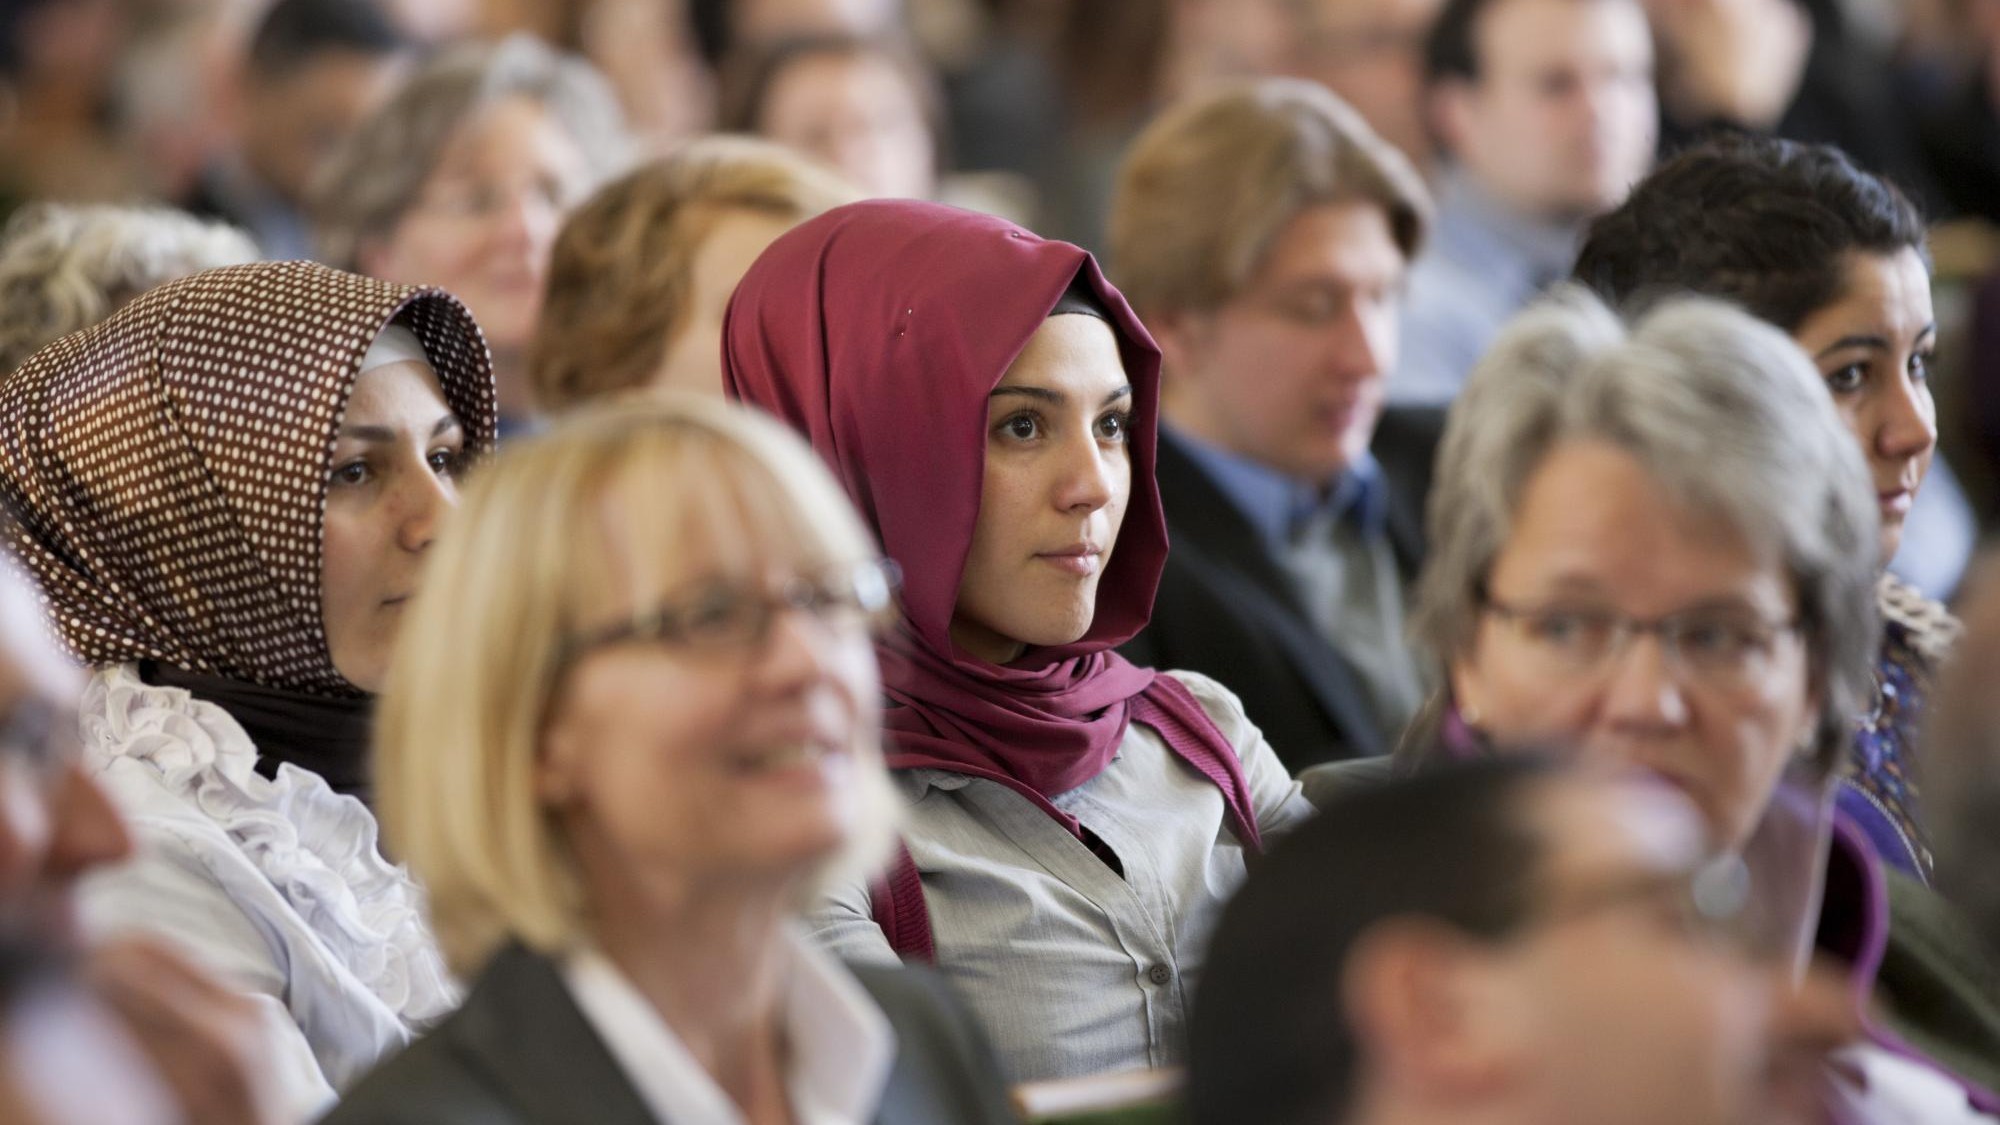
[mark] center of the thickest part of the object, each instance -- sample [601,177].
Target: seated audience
[1654,545]
[67,267]
[1803,239]
[1546,116]
[1499,942]
[314,72]
[641,272]
[125,1030]
[866,108]
[1263,232]
[665,740]
[1371,54]
[227,491]
[990,402]
[462,180]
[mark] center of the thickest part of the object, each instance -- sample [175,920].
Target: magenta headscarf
[878,330]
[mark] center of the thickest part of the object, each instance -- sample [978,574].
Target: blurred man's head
[1263,232]
[1371,53]
[55,823]
[1548,105]
[316,70]
[1489,943]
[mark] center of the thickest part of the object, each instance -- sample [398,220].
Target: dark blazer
[1226,607]
[520,1052]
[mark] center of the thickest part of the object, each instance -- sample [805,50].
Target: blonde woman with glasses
[632,731]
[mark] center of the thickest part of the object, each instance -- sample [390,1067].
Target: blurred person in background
[58,63]
[642,271]
[1264,233]
[1371,54]
[315,69]
[1802,238]
[631,732]
[1654,546]
[1546,117]
[1507,943]
[227,491]
[650,51]
[868,109]
[65,267]
[462,181]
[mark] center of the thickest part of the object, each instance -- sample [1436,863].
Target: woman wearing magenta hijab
[990,402]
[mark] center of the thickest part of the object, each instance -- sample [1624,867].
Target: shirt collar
[841,1047]
[1478,228]
[1277,504]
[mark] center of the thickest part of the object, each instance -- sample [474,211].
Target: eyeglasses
[479,200]
[734,617]
[1722,646]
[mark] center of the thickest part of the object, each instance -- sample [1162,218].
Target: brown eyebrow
[385,435]
[1056,398]
[1871,343]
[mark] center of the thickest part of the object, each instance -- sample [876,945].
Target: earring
[1468,714]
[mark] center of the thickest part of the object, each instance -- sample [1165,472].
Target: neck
[711,960]
[1388,1109]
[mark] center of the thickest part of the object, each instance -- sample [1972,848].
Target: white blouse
[276,885]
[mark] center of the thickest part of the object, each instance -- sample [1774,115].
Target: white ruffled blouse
[277,885]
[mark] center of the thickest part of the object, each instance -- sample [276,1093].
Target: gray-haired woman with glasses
[632,729]
[1654,545]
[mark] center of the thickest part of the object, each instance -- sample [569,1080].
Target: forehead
[1074,353]
[1345,243]
[511,130]
[407,390]
[1591,515]
[1884,295]
[1528,34]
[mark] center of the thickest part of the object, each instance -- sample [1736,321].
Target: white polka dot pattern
[169,466]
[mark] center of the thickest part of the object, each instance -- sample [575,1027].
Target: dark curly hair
[1755,220]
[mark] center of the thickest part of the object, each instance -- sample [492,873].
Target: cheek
[345,557]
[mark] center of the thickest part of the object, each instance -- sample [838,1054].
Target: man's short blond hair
[621,275]
[565,533]
[1208,186]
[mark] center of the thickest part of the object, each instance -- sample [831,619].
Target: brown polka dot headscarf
[168,467]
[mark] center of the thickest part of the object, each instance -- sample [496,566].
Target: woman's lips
[1081,561]
[1895,501]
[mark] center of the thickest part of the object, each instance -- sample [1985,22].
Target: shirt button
[1159,974]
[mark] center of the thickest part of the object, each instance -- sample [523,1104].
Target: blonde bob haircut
[572,530]
[1205,189]
[621,275]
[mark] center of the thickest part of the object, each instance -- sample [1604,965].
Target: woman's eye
[351,473]
[1021,427]
[1920,366]
[1115,427]
[1847,380]
[447,462]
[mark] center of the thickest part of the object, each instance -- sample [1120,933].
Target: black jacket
[520,1052]
[1227,609]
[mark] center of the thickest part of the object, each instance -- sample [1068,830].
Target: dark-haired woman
[990,403]
[1805,240]
[227,491]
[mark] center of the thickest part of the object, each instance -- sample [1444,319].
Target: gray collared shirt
[1073,969]
[1483,262]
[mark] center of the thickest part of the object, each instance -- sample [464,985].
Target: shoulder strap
[1184,725]
[896,901]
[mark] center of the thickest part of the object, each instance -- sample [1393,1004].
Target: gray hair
[374,179]
[65,267]
[1726,414]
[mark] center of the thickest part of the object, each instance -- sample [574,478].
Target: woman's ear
[556,764]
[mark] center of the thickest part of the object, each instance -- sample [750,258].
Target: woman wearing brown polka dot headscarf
[226,491]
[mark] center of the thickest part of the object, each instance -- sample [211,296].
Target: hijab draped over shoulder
[879,330]
[167,468]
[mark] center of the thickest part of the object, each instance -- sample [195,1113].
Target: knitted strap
[896,901]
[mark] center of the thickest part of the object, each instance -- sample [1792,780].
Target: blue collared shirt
[1277,504]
